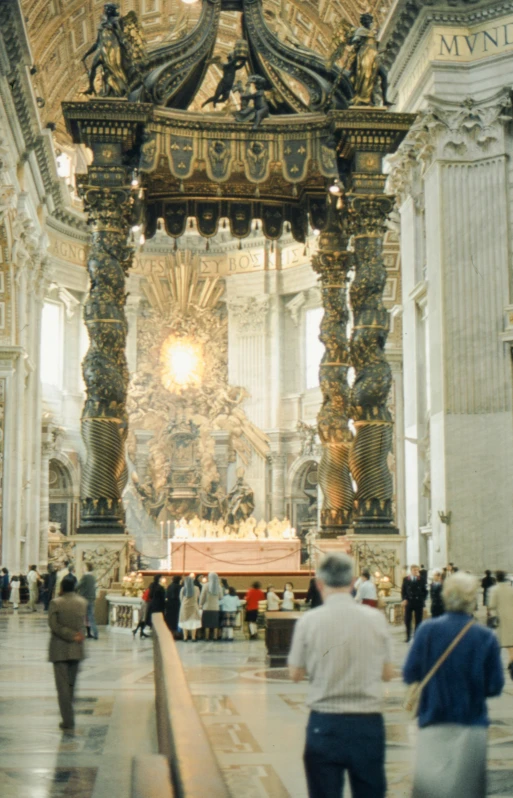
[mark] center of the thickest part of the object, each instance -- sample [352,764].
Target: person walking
[49,580]
[344,650]
[66,619]
[143,614]
[254,595]
[500,604]
[33,580]
[414,594]
[15,592]
[367,593]
[487,582]
[229,606]
[313,596]
[157,598]
[173,604]
[435,594]
[189,619]
[4,586]
[453,719]
[211,594]
[87,589]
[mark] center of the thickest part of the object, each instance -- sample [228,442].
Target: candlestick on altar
[162,530]
[168,529]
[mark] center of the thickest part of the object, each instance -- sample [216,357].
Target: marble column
[278,472]
[47,448]
[331,262]
[367,216]
[105,370]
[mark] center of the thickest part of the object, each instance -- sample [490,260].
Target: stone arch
[63,494]
[301,493]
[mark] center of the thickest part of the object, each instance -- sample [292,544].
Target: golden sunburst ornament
[182,363]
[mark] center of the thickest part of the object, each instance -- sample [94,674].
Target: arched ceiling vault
[61,31]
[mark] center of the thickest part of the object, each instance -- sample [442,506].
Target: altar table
[235,556]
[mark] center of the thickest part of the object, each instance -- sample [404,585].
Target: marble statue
[241,500]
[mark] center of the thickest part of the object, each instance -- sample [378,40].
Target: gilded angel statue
[118,51]
[356,52]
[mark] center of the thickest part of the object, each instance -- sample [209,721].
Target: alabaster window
[313,347]
[52,344]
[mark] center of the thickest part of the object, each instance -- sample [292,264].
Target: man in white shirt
[344,649]
[367,593]
[33,580]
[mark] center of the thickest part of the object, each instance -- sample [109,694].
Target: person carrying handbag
[452,716]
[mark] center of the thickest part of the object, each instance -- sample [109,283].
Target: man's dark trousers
[410,610]
[339,742]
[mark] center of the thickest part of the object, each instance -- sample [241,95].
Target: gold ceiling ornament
[180,283]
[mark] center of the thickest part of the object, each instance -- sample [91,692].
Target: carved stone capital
[249,313]
[368,214]
[450,132]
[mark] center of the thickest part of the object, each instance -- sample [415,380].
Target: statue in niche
[213,503]
[236,60]
[357,52]
[254,105]
[118,48]
[241,500]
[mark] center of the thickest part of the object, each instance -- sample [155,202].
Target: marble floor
[115,716]
[254,716]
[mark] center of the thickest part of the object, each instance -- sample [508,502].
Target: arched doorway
[303,499]
[60,494]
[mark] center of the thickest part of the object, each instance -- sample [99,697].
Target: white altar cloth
[235,556]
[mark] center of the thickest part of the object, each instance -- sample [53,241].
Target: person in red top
[253,596]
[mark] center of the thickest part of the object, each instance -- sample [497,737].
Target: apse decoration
[180,393]
[294,125]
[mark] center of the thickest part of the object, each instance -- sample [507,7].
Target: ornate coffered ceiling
[61,31]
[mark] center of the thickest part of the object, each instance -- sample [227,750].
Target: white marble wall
[452,180]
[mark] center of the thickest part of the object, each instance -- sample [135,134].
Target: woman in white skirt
[15,592]
[453,718]
[190,617]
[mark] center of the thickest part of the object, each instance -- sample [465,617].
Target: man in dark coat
[66,619]
[414,594]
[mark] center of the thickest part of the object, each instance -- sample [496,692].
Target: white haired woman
[453,718]
[211,593]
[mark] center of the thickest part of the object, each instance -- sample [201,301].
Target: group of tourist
[208,607]
[36,588]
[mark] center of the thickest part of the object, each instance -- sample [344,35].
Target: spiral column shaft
[373,378]
[331,263]
[105,370]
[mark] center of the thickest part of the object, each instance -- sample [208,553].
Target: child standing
[288,598]
[229,606]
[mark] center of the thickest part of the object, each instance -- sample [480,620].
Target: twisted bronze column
[105,370]
[373,378]
[331,263]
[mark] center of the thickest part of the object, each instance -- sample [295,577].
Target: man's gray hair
[459,593]
[336,570]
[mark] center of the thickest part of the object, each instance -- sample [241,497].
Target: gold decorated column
[114,130]
[105,370]
[367,214]
[331,263]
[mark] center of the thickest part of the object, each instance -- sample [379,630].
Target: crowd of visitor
[343,648]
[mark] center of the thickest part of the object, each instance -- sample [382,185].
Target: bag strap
[446,653]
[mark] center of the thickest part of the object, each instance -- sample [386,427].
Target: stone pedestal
[278,636]
[378,553]
[108,553]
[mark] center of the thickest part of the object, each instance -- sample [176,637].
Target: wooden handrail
[182,738]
